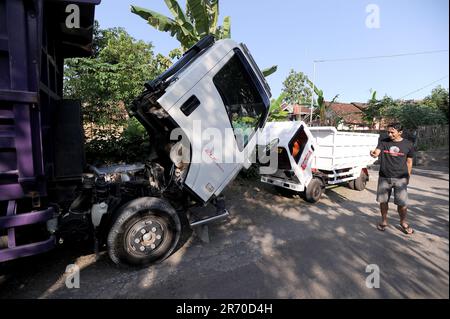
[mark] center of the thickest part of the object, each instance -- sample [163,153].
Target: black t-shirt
[393,158]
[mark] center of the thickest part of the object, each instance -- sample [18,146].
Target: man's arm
[410,159]
[375,153]
[409,163]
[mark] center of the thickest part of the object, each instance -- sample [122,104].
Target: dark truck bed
[40,133]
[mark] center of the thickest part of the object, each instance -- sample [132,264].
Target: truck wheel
[361,181]
[145,231]
[314,191]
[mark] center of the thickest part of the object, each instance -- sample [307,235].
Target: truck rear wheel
[360,182]
[145,231]
[314,190]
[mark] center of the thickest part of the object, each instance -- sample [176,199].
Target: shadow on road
[274,246]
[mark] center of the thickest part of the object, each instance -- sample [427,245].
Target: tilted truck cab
[215,86]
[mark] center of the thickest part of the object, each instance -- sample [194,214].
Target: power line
[380,56]
[424,87]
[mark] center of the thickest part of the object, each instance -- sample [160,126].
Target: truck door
[226,103]
[302,149]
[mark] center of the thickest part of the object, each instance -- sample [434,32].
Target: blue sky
[292,34]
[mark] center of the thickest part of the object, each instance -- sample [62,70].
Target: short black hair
[397,126]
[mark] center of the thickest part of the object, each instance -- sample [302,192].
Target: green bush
[130,147]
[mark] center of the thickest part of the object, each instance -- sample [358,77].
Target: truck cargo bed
[339,150]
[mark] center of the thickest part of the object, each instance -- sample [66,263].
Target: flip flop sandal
[406,230]
[381,227]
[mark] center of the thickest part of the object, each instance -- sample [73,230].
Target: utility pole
[313,92]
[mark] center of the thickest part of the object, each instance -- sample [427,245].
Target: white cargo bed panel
[340,150]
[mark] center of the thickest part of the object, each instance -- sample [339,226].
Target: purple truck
[41,137]
[143,212]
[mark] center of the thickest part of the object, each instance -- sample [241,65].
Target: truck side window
[244,104]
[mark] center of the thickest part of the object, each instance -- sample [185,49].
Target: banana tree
[199,19]
[373,111]
[276,113]
[322,106]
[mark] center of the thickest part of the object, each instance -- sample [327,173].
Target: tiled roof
[350,112]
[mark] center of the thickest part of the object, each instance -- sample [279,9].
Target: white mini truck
[310,158]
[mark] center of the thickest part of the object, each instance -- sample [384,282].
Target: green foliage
[276,114]
[106,84]
[128,147]
[117,71]
[269,71]
[322,109]
[376,109]
[439,99]
[296,88]
[412,114]
[199,19]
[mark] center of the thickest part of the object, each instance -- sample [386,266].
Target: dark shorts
[400,187]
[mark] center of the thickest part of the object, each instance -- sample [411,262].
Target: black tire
[314,190]
[361,181]
[153,222]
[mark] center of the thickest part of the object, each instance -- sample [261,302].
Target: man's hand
[375,153]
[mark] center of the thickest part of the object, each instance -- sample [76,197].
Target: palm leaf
[334,99]
[374,96]
[155,19]
[316,89]
[199,12]
[226,28]
[213,12]
[268,71]
[163,23]
[277,103]
[180,17]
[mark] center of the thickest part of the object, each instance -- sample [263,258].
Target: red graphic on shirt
[394,151]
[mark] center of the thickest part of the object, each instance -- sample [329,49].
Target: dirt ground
[274,246]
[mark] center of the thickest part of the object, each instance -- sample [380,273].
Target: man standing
[396,161]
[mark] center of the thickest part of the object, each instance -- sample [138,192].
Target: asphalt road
[274,246]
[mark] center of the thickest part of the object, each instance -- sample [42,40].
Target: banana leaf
[268,71]
[226,28]
[199,12]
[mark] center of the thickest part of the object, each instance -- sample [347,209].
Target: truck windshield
[243,102]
